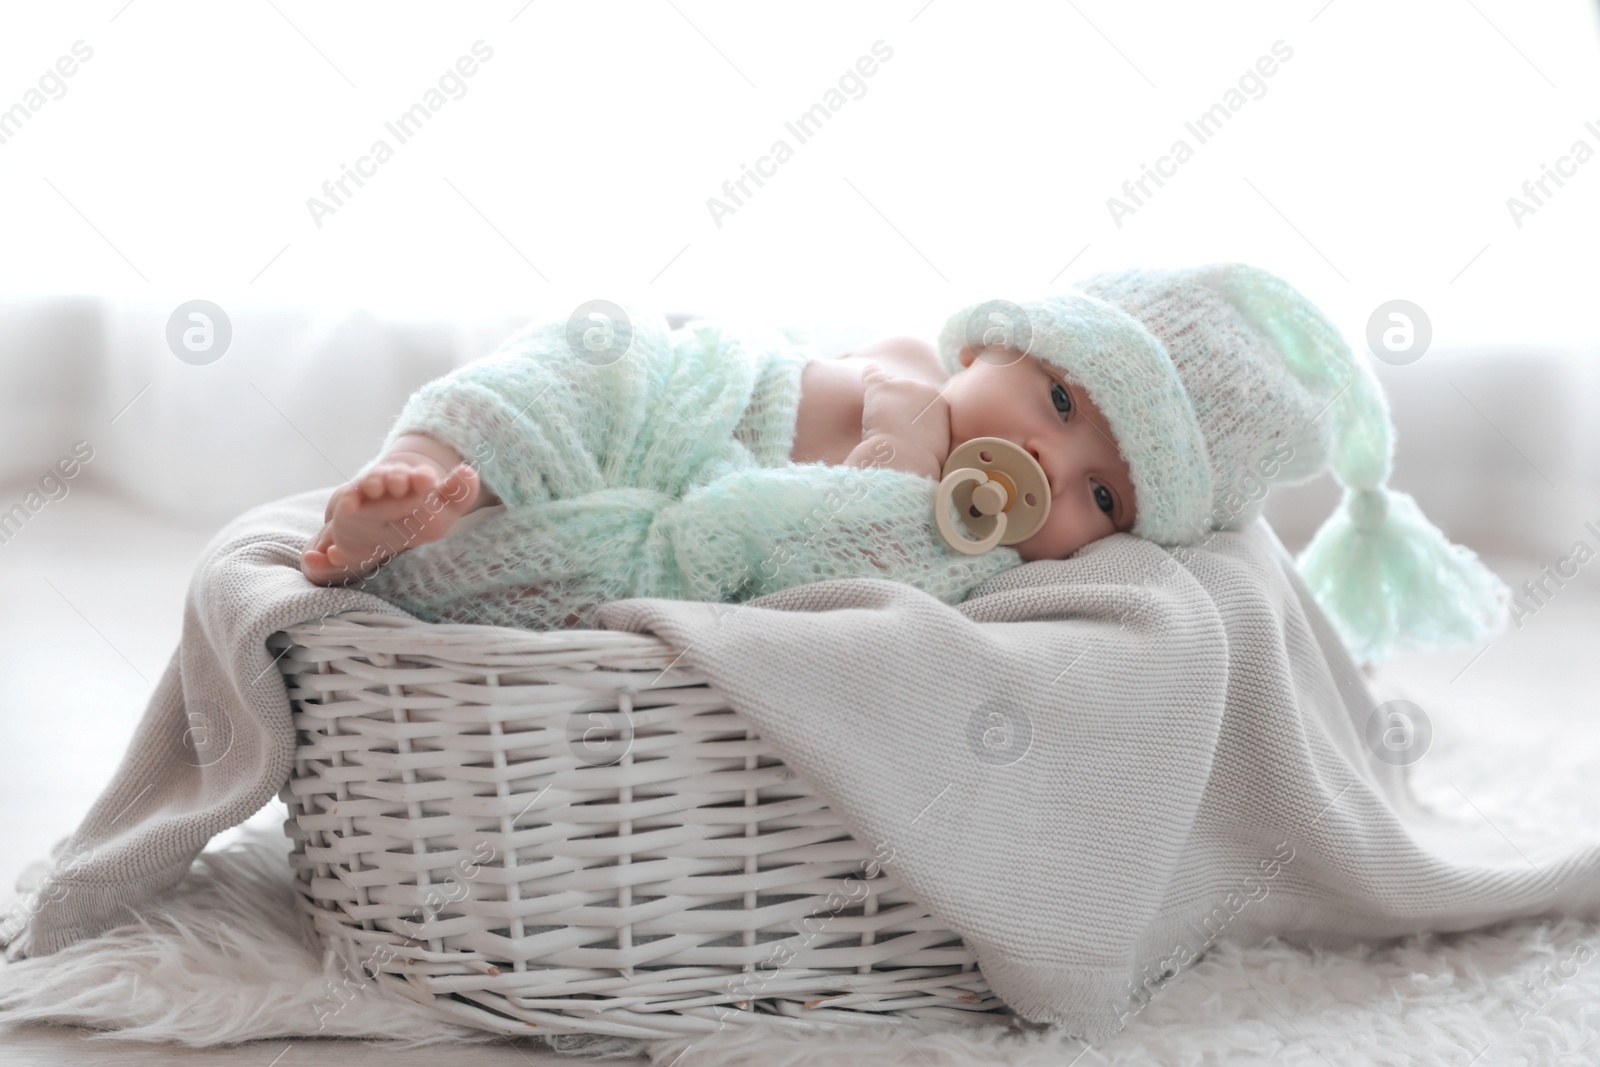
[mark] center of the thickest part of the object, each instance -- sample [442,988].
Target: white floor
[91,606]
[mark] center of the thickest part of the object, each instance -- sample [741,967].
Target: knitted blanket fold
[656,470]
[1094,767]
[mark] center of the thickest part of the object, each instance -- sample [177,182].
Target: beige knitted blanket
[1094,768]
[1090,769]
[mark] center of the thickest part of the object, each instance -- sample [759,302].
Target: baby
[600,459]
[890,404]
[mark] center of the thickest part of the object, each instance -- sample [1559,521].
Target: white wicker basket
[563,830]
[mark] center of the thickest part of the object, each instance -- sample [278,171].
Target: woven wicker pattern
[564,830]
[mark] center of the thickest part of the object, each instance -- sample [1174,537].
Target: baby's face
[1031,403]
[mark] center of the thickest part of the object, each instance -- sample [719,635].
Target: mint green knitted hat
[1222,380]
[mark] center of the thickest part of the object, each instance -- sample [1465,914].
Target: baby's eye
[1061,399]
[1103,497]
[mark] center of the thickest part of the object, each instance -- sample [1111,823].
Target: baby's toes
[318,545]
[370,486]
[422,479]
[316,566]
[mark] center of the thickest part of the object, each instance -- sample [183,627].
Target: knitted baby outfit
[1219,381]
[637,462]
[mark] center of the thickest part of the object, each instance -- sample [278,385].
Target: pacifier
[999,490]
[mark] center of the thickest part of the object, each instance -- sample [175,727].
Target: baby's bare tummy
[827,425]
[828,422]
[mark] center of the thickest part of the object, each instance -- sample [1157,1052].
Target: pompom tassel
[1390,581]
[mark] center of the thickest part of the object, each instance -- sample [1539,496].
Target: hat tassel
[1390,581]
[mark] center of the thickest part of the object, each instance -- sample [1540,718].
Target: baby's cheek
[1060,536]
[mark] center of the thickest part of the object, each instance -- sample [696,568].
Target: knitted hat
[1220,381]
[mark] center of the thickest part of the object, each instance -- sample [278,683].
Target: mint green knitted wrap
[662,472]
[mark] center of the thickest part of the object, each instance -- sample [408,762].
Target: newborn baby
[889,406]
[715,464]
[709,463]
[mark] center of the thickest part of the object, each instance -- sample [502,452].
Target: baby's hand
[905,410]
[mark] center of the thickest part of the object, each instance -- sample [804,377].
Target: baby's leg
[411,495]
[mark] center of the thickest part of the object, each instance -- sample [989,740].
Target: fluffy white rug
[219,961]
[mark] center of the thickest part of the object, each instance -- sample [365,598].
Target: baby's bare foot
[394,505]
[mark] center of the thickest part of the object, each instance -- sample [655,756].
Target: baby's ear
[967,354]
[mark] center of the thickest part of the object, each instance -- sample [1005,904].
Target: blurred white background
[176,162]
[577,162]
